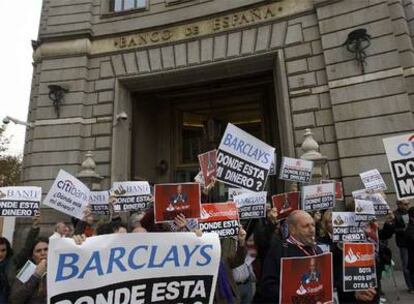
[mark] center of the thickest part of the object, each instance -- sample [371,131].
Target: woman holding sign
[30,284]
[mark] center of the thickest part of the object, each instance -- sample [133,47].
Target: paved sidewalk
[397,294]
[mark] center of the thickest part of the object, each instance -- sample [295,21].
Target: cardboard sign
[380,204]
[285,203]
[220,218]
[208,165]
[318,197]
[306,279]
[243,160]
[400,154]
[364,211]
[345,229]
[199,178]
[372,179]
[359,266]
[132,196]
[134,268]
[99,202]
[251,205]
[173,199]
[20,201]
[26,272]
[68,195]
[297,170]
[339,189]
[232,192]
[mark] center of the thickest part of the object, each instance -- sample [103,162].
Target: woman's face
[3,252]
[328,224]
[40,252]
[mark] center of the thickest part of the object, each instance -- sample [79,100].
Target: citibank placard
[400,154]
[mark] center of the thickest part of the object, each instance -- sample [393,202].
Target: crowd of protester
[250,263]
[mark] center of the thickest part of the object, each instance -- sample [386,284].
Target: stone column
[88,175]
[310,149]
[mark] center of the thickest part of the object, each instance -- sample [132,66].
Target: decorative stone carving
[88,174]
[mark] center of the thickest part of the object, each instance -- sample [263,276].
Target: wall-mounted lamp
[56,93]
[8,119]
[358,40]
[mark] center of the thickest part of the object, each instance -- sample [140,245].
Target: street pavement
[395,291]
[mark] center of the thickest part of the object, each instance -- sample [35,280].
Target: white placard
[380,204]
[99,202]
[132,196]
[400,154]
[68,195]
[232,192]
[26,272]
[345,229]
[20,201]
[251,205]
[141,267]
[364,211]
[318,197]
[295,169]
[372,180]
[243,160]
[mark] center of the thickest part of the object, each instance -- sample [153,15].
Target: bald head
[302,227]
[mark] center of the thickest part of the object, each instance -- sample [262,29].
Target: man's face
[62,229]
[304,230]
[404,205]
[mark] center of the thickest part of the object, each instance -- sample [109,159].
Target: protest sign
[380,204]
[20,201]
[345,229]
[243,160]
[372,180]
[208,165]
[318,197]
[173,199]
[68,195]
[26,272]
[297,170]
[339,190]
[132,196]
[285,203]
[232,192]
[99,202]
[134,268]
[364,211]
[199,178]
[359,266]
[306,279]
[400,154]
[221,218]
[251,205]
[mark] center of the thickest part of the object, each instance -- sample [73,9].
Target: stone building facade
[141,61]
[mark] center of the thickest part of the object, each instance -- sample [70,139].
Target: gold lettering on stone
[217,24]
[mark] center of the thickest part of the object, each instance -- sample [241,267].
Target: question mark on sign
[259,185]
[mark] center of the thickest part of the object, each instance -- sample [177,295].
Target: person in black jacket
[409,239]
[301,242]
[399,225]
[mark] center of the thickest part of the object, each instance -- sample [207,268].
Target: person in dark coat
[6,269]
[409,239]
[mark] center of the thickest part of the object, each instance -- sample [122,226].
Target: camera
[122,116]
[6,120]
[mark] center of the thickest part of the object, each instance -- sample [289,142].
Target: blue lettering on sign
[404,149]
[70,266]
[247,149]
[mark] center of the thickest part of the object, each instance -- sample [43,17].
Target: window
[125,5]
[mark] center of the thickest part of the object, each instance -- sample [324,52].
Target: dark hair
[117,226]
[411,214]
[40,239]
[104,228]
[9,250]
